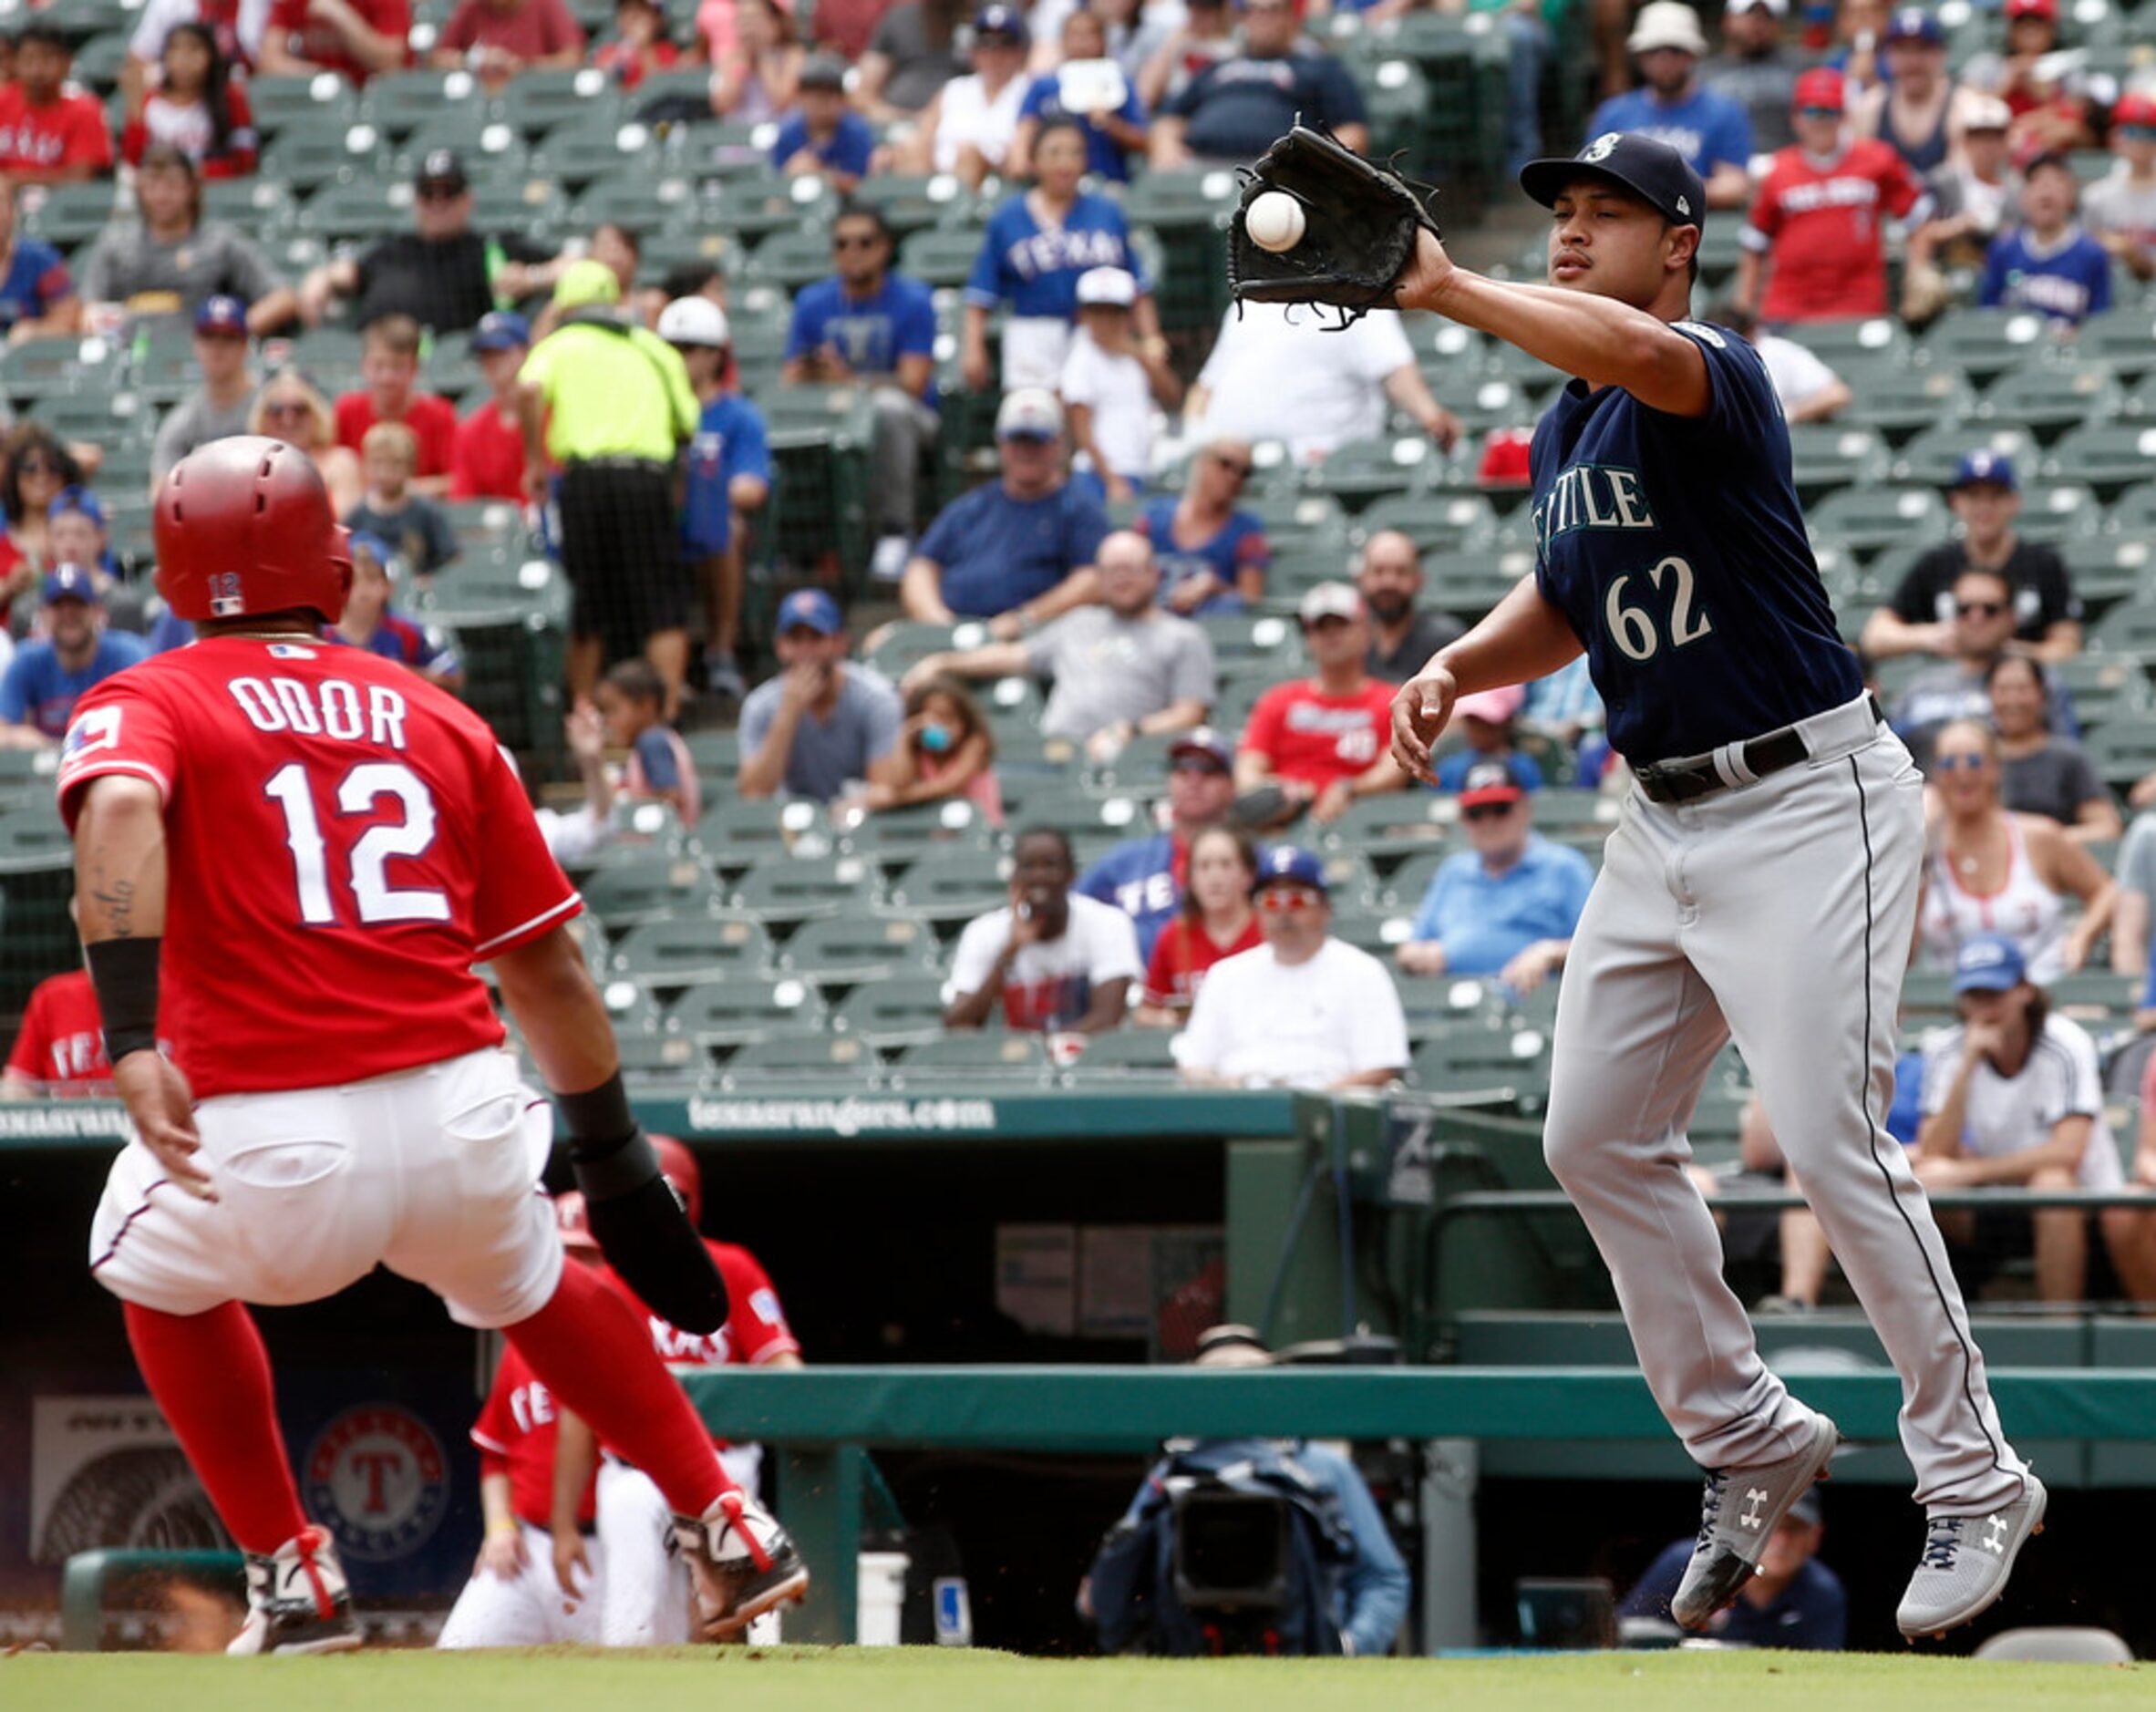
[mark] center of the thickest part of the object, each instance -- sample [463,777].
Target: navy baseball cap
[1984,468]
[222,318]
[72,582]
[1489,781]
[1206,743]
[1913,24]
[1650,169]
[1005,21]
[500,330]
[376,548]
[1988,963]
[77,497]
[1285,864]
[810,609]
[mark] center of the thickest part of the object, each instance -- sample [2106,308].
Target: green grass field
[806,1679]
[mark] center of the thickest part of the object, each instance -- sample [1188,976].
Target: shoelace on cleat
[1944,1543]
[1710,1504]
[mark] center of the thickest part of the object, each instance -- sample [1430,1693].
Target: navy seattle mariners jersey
[1676,549]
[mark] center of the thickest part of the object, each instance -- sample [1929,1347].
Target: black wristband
[598,1116]
[125,974]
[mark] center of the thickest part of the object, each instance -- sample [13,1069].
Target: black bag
[1233,1548]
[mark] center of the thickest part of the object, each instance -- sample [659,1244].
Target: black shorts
[621,549]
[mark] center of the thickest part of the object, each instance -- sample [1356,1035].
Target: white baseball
[1275,221]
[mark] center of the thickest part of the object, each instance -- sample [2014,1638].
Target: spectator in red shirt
[1216,921]
[1816,225]
[50,132]
[488,459]
[496,39]
[196,108]
[355,38]
[389,363]
[1319,742]
[640,46]
[60,1051]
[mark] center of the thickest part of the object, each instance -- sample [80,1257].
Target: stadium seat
[939,257]
[2129,628]
[682,950]
[2048,397]
[60,367]
[2105,687]
[1898,400]
[349,209]
[1437,525]
[657,1058]
[953,888]
[1394,824]
[911,202]
[2111,456]
[1867,520]
[738,833]
[2108,569]
[894,839]
[2057,511]
[998,1056]
[2122,752]
[597,146]
[1934,457]
[1466,585]
[1127,1054]
[791,259]
[322,98]
[1830,455]
[744,1010]
[534,102]
[855,947]
[818,1061]
[1986,343]
[69,215]
[1362,472]
[648,888]
[786,890]
[1845,344]
[901,1011]
[632,198]
[2124,337]
[1481,1052]
[397,103]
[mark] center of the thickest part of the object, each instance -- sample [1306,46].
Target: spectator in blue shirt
[49,674]
[368,621]
[1794,1602]
[1213,552]
[2049,262]
[1709,129]
[1037,246]
[1145,877]
[868,325]
[1486,720]
[1092,89]
[1508,904]
[822,138]
[822,724]
[1236,108]
[37,298]
[729,472]
[1019,550]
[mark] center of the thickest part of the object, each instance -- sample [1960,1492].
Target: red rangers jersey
[516,1433]
[345,842]
[63,1037]
[755,1329]
[1820,226]
[39,138]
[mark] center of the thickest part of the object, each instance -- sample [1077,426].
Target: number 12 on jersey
[358,792]
[1633,628]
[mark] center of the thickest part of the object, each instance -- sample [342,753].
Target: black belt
[651,465]
[1686,781]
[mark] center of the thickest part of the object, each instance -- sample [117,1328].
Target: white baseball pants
[528,1609]
[1779,913]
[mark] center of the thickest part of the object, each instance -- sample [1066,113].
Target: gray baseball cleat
[1738,1511]
[1966,1560]
[298,1600]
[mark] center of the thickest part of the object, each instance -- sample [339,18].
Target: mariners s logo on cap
[1601,148]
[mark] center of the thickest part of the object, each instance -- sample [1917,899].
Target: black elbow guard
[643,1231]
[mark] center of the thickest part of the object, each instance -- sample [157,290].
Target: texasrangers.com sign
[853,1116]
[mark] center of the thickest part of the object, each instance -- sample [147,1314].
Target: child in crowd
[369,623]
[75,532]
[2049,263]
[639,47]
[945,751]
[489,459]
[1109,387]
[413,525]
[1486,721]
[196,108]
[389,366]
[631,699]
[822,137]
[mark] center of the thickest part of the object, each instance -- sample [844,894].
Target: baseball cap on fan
[1821,90]
[1284,865]
[1205,743]
[1985,468]
[1112,286]
[2134,108]
[1666,23]
[1651,170]
[1914,24]
[441,169]
[222,318]
[1988,963]
[500,330]
[1489,781]
[1031,413]
[1329,599]
[695,320]
[810,609]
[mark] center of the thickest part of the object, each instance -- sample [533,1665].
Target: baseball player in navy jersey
[1760,885]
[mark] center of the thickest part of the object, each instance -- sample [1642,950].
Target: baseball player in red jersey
[295,854]
[60,1048]
[644,1594]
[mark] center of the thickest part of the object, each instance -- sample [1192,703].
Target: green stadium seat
[1867,520]
[790,259]
[1404,887]
[895,839]
[684,950]
[744,1010]
[654,1059]
[1481,1052]
[59,367]
[955,888]
[738,833]
[2122,752]
[819,1060]
[397,103]
[1239,639]
[1437,525]
[1830,455]
[348,209]
[72,215]
[2124,337]
[649,888]
[598,146]
[1466,585]
[2050,395]
[847,950]
[2097,998]
[1933,457]
[897,648]
[1986,343]
[2128,629]
[1485,401]
[322,98]
[912,202]
[1127,1054]
[787,890]
[2134,511]
[1898,400]
[632,198]
[2111,456]
[991,1057]
[484,144]
[37,879]
[2105,687]
[939,257]
[903,1011]
[2055,511]
[1362,472]
[1928,994]
[535,102]
[2108,569]
[1395,825]
[1295,517]
[1845,344]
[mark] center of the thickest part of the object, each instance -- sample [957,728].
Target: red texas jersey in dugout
[344,840]
[516,1433]
[756,1328]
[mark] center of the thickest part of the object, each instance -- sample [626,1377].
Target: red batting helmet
[681,1169]
[243,525]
